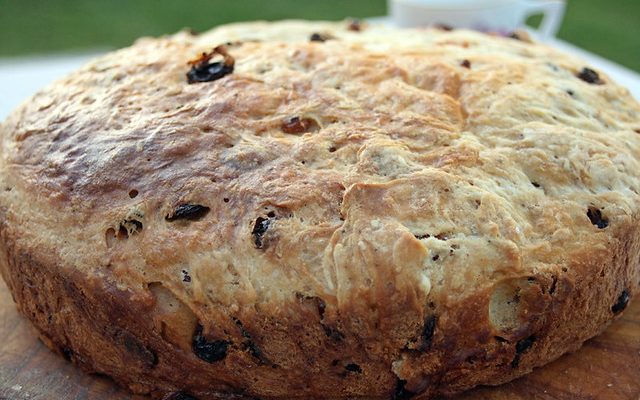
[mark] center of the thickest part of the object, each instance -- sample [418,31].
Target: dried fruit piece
[444,27]
[621,303]
[320,37]
[259,229]
[353,368]
[296,125]
[427,332]
[521,347]
[206,350]
[191,212]
[596,218]
[590,76]
[355,25]
[67,353]
[401,393]
[204,71]
[466,64]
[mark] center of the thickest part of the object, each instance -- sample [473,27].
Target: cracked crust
[382,214]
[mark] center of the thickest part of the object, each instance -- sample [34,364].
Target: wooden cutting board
[607,367]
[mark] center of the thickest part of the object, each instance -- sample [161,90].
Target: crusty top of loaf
[416,179]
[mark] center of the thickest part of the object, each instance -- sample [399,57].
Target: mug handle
[553,11]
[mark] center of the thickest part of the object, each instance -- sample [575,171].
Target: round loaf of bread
[322,210]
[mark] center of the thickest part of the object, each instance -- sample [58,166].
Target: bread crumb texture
[316,211]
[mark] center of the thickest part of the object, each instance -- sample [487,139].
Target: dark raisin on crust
[427,332]
[355,25]
[322,306]
[621,303]
[521,347]
[333,333]
[535,184]
[352,367]
[137,224]
[204,71]
[554,282]
[190,212]
[590,76]
[525,344]
[443,27]
[206,350]
[319,37]
[596,218]
[297,125]
[260,227]
[184,396]
[441,236]
[466,64]
[185,276]
[400,392]
[67,353]
[208,72]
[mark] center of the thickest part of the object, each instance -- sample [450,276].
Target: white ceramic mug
[487,15]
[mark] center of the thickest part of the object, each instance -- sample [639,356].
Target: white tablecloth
[21,77]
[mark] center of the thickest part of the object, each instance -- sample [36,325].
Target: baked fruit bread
[322,210]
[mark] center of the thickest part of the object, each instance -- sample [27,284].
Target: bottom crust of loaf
[100,329]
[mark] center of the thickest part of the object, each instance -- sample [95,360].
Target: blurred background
[608,28]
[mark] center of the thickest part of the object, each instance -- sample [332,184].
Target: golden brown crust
[383,214]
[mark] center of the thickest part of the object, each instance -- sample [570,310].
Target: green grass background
[610,28]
